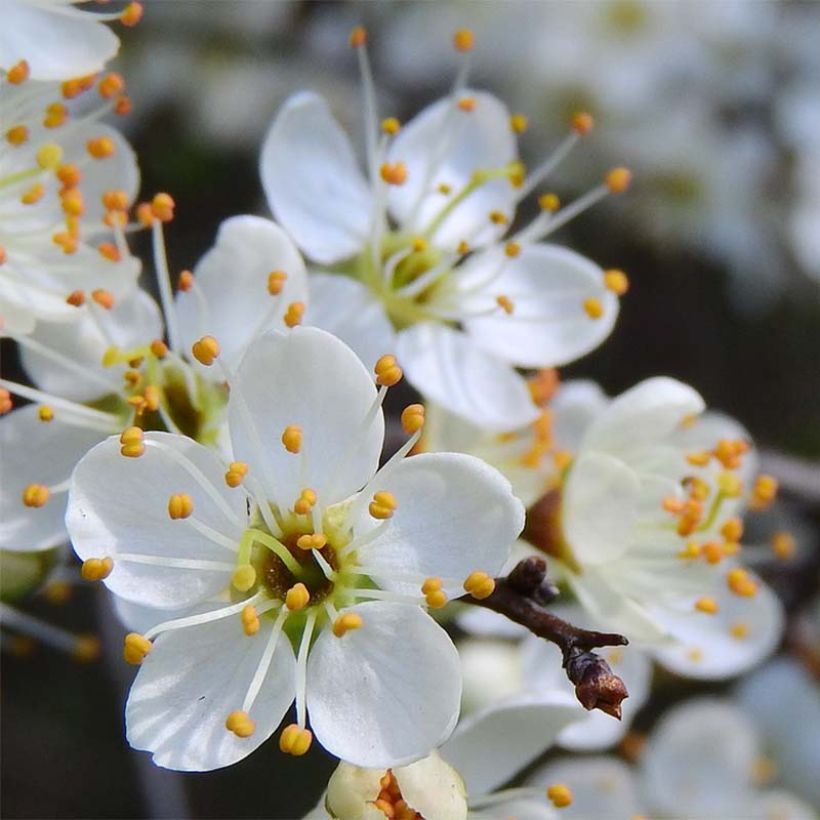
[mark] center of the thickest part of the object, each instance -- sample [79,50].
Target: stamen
[347,622]
[412,419]
[301,674]
[276,282]
[383,505]
[18,73]
[45,413]
[433,593]
[311,541]
[276,547]
[394,173]
[240,724]
[618,180]
[784,545]
[135,648]
[237,470]
[174,562]
[132,440]
[82,647]
[202,618]
[295,741]
[305,502]
[741,583]
[559,795]
[297,597]
[243,578]
[616,281]
[96,569]
[707,605]
[292,438]
[358,40]
[479,585]
[36,495]
[164,284]
[205,350]
[250,620]
[294,313]
[764,492]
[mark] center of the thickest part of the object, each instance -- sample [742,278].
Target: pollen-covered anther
[250,620]
[6,404]
[151,396]
[419,244]
[463,40]
[347,622]
[34,194]
[390,126]
[764,492]
[100,147]
[311,541]
[205,350]
[393,173]
[444,189]
[295,740]
[739,631]
[18,73]
[519,123]
[728,452]
[109,251]
[358,37]
[76,85]
[111,85]
[709,606]
[559,795]
[180,505]
[297,597]
[383,505]
[237,470]
[512,249]
[593,307]
[616,280]
[104,298]
[35,495]
[56,115]
[123,105]
[712,552]
[135,648]
[294,314]
[69,175]
[240,723]
[243,577]
[741,583]
[701,458]
[45,413]
[434,595]
[618,180]
[784,545]
[131,14]
[691,551]
[479,585]
[697,488]
[162,207]
[159,348]
[115,200]
[388,372]
[76,298]
[306,501]
[549,202]
[463,248]
[732,529]
[498,218]
[505,303]
[145,214]
[95,569]
[292,438]
[582,123]
[276,282]
[133,442]
[17,135]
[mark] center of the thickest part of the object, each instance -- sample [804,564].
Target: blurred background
[716,108]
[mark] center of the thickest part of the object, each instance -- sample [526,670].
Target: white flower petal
[233,279]
[313,184]
[455,514]
[432,788]
[385,694]
[642,416]
[36,452]
[443,144]
[120,505]
[705,647]
[308,378]
[599,508]
[190,682]
[489,747]
[445,365]
[349,310]
[57,45]
[133,321]
[575,406]
[490,669]
[548,286]
[519,808]
[778,804]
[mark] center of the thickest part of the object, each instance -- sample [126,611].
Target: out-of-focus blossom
[325,561]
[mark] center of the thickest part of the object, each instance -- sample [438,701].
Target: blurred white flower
[417,256]
[317,552]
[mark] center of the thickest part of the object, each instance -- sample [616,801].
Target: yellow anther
[444,189]
[618,180]
[69,175]
[243,577]
[741,583]
[100,147]
[237,470]
[77,85]
[732,529]
[358,36]
[728,453]
[346,623]
[138,403]
[559,795]
[152,398]
[692,550]
[764,492]
[103,298]
[297,597]
[206,350]
[276,282]
[162,207]
[17,135]
[549,202]
[463,40]
[512,249]
[394,173]
[582,123]
[593,307]
[433,593]
[6,404]
[49,156]
[466,104]
[479,585]
[784,545]
[115,200]
[56,115]
[498,218]
[419,244]
[311,541]
[505,303]
[185,281]
[387,371]
[45,413]
[132,377]
[18,73]
[109,251]
[383,505]
[294,313]
[111,85]
[87,648]
[699,459]
[712,552]
[133,442]
[391,126]
[95,569]
[250,620]
[616,281]
[131,14]
[698,488]
[739,630]
[305,502]
[543,384]
[294,740]
[730,548]
[33,194]
[240,723]
[519,123]
[144,214]
[135,648]
[180,505]
[292,438]
[35,495]
[463,248]
[707,605]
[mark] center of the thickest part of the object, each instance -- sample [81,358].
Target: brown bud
[596,685]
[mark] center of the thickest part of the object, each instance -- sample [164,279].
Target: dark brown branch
[521,597]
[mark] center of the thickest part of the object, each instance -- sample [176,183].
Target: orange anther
[276,282]
[582,123]
[358,36]
[463,40]
[618,180]
[18,73]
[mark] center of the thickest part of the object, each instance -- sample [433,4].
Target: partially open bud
[596,685]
